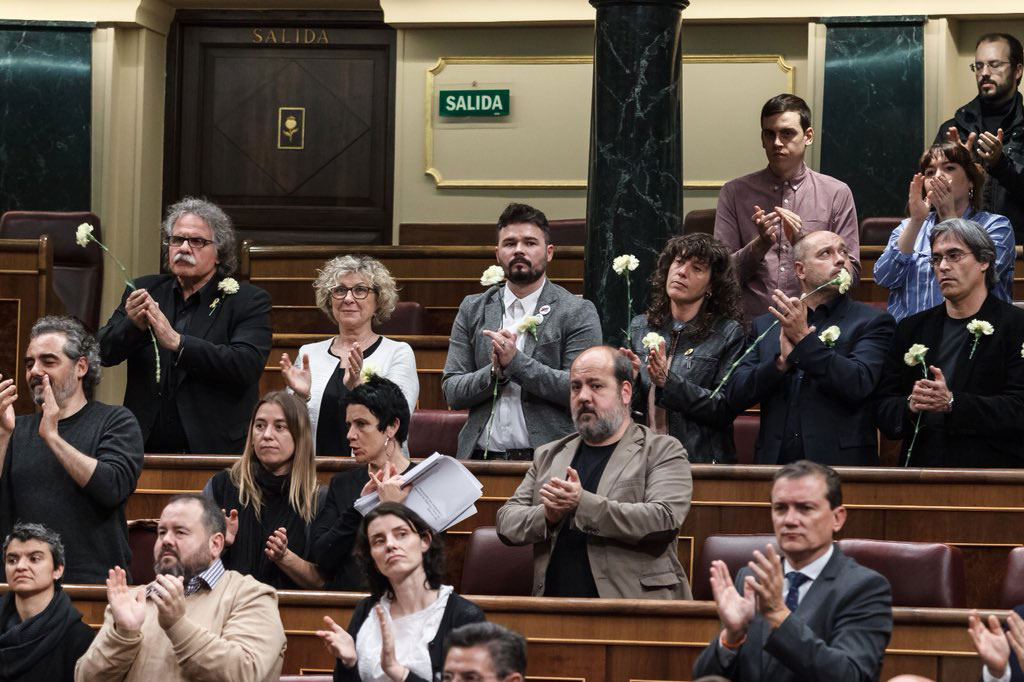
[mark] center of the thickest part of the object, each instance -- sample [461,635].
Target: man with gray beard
[196,620]
[73,464]
[602,507]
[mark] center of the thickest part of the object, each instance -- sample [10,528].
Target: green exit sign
[474,103]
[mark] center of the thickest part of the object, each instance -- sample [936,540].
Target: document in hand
[441,490]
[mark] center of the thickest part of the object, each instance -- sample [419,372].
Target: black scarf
[246,554]
[25,643]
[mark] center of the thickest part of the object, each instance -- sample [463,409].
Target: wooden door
[286,120]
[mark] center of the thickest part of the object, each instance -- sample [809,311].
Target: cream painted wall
[128,123]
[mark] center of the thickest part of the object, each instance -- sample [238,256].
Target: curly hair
[78,343]
[722,300]
[369,268]
[433,558]
[385,401]
[958,154]
[220,224]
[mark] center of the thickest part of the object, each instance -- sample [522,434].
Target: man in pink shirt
[761,216]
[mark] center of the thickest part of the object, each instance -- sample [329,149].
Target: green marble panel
[873,111]
[45,116]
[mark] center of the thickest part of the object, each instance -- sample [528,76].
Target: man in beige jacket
[196,620]
[603,506]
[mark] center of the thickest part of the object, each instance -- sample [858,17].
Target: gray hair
[37,531]
[219,223]
[371,269]
[974,238]
[78,343]
[506,647]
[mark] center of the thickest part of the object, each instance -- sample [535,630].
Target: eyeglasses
[359,291]
[993,65]
[195,242]
[954,256]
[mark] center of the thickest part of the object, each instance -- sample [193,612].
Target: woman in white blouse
[398,632]
[354,292]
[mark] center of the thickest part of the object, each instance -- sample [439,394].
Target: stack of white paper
[441,490]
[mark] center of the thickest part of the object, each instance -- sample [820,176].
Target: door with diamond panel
[286,120]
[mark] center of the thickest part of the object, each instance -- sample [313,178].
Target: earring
[970,193]
[387,439]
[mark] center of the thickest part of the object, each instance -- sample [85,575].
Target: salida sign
[474,103]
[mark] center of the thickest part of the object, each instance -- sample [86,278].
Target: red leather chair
[491,567]
[922,574]
[408,319]
[1012,593]
[568,232]
[77,271]
[701,220]
[433,431]
[141,540]
[876,231]
[744,434]
[734,550]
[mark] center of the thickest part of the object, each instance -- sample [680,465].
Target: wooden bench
[978,511]
[609,639]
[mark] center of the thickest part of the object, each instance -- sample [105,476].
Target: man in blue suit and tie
[814,376]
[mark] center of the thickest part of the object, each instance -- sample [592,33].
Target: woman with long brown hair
[694,307]
[271,496]
[948,185]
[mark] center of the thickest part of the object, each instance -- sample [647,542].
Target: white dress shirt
[508,428]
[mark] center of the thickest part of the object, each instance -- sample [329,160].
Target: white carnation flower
[369,370]
[843,280]
[83,235]
[979,327]
[228,285]
[652,340]
[625,262]
[830,335]
[492,275]
[915,355]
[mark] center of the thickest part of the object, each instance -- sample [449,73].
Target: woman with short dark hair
[948,185]
[398,632]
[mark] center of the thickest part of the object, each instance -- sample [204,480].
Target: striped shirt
[910,279]
[210,577]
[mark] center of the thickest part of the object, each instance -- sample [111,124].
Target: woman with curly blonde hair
[354,292]
[271,497]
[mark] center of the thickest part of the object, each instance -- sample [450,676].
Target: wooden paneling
[26,294]
[977,510]
[610,640]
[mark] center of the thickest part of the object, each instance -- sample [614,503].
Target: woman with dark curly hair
[694,307]
[398,632]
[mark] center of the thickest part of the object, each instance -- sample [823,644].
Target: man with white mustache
[602,507]
[72,465]
[212,333]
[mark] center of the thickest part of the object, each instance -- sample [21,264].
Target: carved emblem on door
[291,127]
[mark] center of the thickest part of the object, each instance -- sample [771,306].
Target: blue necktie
[796,579]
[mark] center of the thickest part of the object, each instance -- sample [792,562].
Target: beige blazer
[632,521]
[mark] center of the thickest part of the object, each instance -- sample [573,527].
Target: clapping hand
[168,593]
[767,226]
[390,484]
[51,411]
[128,612]
[277,545]
[231,522]
[735,610]
[337,641]
[388,663]
[560,497]
[298,377]
[354,366]
[657,365]
[8,396]
[991,643]
[990,147]
[767,583]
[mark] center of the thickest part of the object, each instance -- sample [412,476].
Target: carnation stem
[917,424]
[490,420]
[130,285]
[629,309]
[834,280]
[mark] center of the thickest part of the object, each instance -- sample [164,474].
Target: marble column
[635,197]
[45,112]
[872,119]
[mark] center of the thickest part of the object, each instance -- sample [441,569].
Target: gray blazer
[632,521]
[838,633]
[542,368]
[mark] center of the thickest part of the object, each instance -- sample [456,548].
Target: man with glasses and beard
[602,507]
[196,620]
[521,334]
[72,465]
[194,387]
[991,125]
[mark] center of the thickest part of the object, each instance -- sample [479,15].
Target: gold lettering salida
[284,36]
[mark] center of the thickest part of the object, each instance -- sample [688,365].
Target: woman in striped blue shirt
[949,185]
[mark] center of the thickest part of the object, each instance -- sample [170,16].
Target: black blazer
[457,612]
[837,417]
[217,371]
[984,428]
[838,633]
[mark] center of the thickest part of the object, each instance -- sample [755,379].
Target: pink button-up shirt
[822,202]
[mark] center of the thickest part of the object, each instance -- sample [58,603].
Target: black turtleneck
[993,114]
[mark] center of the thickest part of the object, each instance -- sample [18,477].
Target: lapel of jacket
[494,309]
[622,456]
[547,298]
[203,318]
[965,363]
[560,463]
